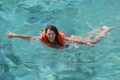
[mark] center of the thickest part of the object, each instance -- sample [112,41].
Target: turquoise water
[31,60]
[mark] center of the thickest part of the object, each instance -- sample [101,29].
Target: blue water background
[31,60]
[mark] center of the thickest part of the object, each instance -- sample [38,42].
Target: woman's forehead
[50,31]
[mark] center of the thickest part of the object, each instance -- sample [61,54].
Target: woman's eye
[48,34]
[53,34]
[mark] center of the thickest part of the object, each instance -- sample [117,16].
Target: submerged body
[53,38]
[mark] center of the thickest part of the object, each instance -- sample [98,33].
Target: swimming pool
[31,60]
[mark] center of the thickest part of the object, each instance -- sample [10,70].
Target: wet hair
[53,28]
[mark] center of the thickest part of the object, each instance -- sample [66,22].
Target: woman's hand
[10,34]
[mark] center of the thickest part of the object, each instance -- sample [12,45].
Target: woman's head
[52,33]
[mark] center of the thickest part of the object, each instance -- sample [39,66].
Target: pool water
[32,60]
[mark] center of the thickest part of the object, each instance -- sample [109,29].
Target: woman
[56,39]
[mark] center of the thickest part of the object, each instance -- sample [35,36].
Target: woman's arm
[77,40]
[13,35]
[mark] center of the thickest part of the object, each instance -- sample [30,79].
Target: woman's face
[51,35]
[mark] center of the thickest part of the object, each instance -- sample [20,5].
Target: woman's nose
[51,35]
